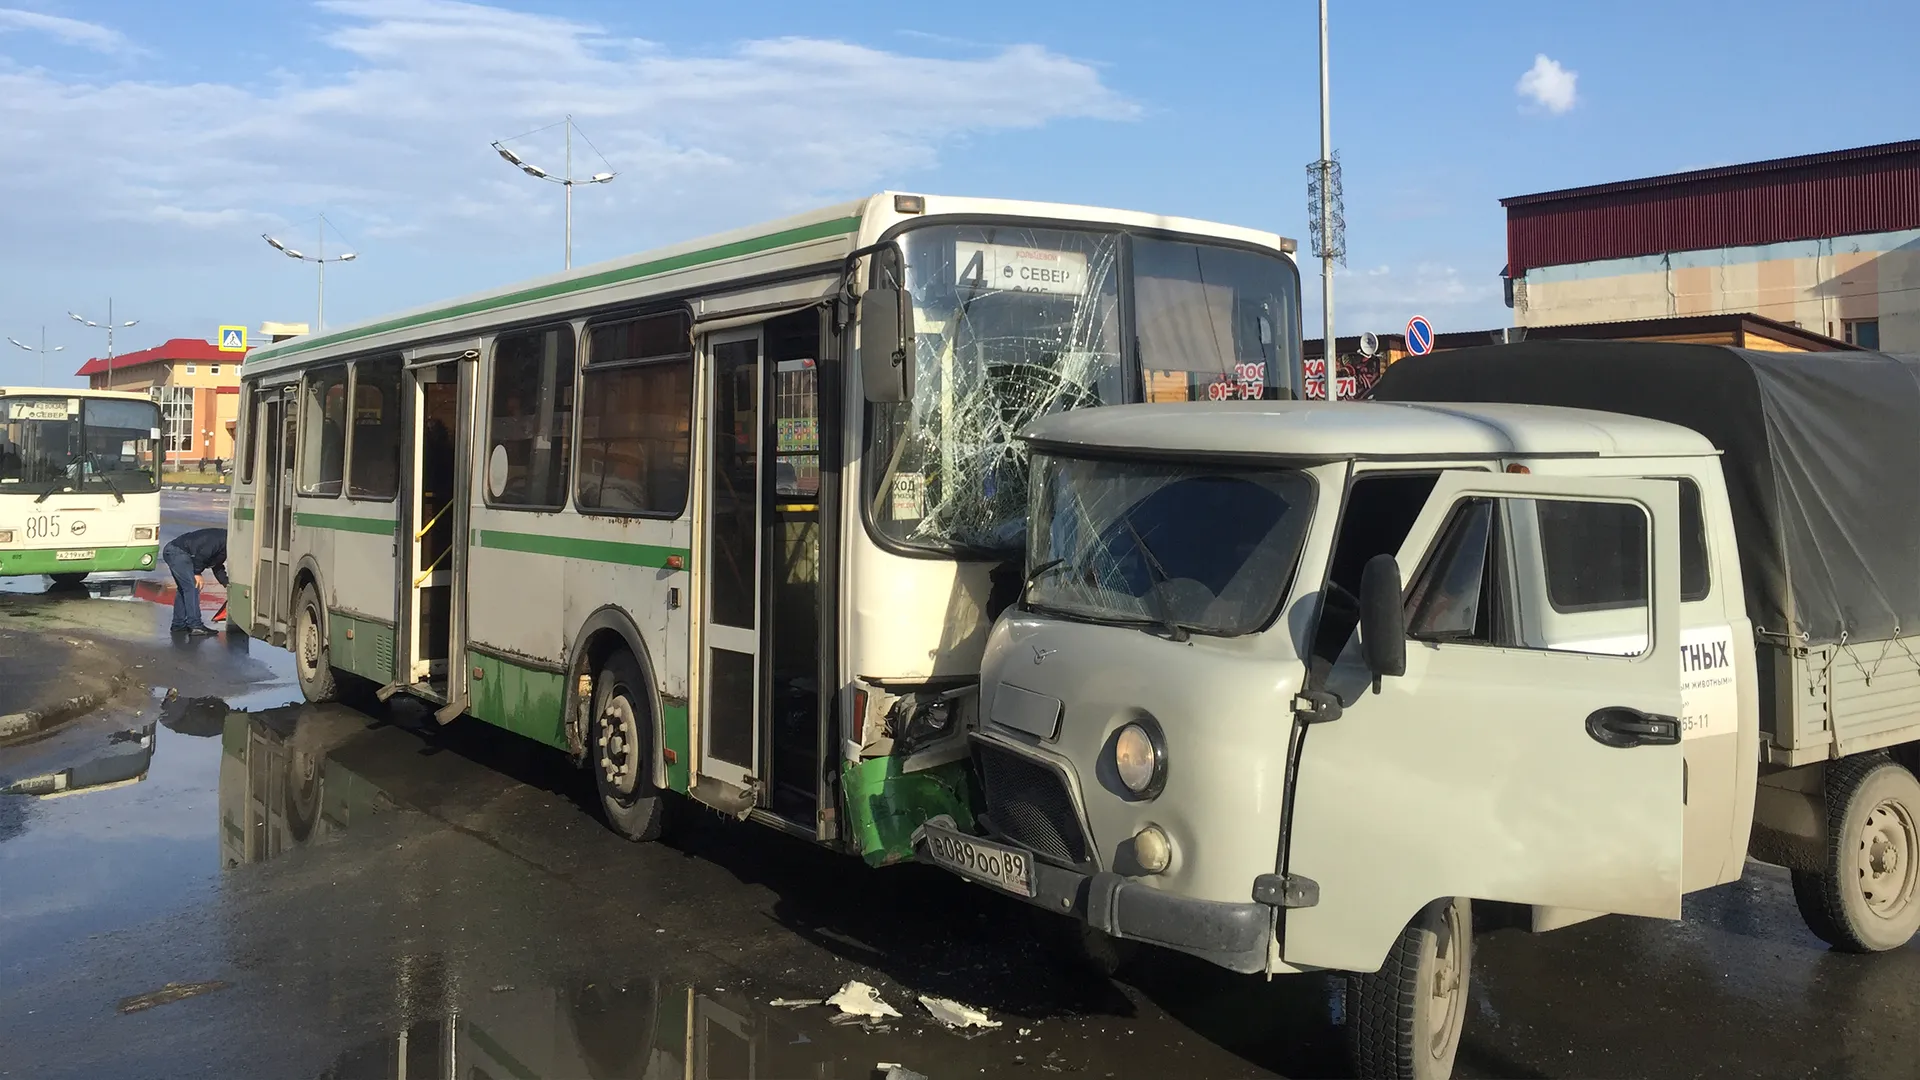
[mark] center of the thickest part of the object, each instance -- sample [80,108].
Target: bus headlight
[1140,757]
[145,532]
[6,536]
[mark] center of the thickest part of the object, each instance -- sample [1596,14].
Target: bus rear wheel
[312,660]
[620,750]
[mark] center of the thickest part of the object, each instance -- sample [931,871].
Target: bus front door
[273,514]
[432,554]
[732,677]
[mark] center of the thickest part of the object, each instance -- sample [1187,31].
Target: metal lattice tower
[1323,183]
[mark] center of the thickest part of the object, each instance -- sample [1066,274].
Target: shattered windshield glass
[1183,547]
[1015,323]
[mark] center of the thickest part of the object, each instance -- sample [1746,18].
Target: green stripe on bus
[243,513]
[569,547]
[750,246]
[376,526]
[102,559]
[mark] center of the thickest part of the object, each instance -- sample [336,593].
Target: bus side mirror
[886,344]
[1383,618]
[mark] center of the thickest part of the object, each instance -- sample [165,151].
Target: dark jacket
[207,548]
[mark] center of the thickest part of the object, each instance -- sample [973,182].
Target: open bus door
[759,569]
[277,414]
[436,398]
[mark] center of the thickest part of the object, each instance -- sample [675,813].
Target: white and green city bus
[668,515]
[79,482]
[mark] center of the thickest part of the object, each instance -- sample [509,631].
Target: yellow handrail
[428,527]
[431,567]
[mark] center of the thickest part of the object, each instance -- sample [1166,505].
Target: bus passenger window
[376,429]
[323,431]
[636,415]
[529,433]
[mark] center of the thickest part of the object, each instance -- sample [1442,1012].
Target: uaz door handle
[1620,727]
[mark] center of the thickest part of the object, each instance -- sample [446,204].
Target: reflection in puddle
[646,1029]
[128,757]
[277,793]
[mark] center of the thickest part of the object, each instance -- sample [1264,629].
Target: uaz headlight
[1140,757]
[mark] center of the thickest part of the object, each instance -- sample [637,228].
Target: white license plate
[73,556]
[982,860]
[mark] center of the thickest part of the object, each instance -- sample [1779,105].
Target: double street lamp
[42,350]
[565,180]
[320,259]
[109,326]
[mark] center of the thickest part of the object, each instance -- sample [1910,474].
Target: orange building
[197,386]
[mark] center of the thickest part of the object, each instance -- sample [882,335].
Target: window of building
[176,414]
[529,431]
[376,429]
[214,370]
[1862,332]
[190,369]
[636,416]
[323,431]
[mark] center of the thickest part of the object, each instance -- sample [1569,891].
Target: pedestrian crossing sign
[233,339]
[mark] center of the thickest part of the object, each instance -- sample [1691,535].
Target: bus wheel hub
[618,741]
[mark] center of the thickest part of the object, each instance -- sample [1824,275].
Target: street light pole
[42,350]
[320,259]
[1326,210]
[565,180]
[109,326]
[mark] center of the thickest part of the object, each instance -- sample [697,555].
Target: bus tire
[620,750]
[1867,897]
[312,659]
[68,581]
[1404,1021]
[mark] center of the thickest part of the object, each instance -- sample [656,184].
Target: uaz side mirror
[1383,618]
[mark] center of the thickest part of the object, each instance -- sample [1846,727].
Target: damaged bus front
[973,326]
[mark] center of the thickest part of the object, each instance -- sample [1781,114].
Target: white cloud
[396,140]
[1382,299]
[70,31]
[1548,85]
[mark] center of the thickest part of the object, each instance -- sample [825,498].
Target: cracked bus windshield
[1183,547]
[1015,323]
[55,443]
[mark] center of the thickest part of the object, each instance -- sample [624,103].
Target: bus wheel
[620,751]
[1083,948]
[1404,1021]
[312,660]
[68,581]
[1867,899]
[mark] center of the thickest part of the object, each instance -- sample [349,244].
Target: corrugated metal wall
[1830,195]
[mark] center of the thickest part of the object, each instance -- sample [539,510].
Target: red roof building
[197,386]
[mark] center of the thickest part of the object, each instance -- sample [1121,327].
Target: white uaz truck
[1291,686]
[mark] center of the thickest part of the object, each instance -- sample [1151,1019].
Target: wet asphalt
[262,888]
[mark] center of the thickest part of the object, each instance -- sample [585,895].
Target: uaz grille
[1029,804]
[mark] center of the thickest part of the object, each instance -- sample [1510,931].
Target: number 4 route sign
[233,339]
[1419,335]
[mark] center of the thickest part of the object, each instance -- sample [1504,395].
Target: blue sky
[148,145]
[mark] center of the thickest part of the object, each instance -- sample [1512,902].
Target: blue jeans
[186,594]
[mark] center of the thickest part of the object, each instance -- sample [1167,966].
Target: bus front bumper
[102,560]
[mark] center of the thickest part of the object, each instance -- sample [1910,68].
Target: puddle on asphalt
[587,1029]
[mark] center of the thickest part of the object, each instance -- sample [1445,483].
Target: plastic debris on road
[956,1015]
[858,999]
